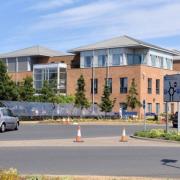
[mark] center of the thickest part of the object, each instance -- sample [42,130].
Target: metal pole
[178,127]
[166,116]
[93,76]
[145,127]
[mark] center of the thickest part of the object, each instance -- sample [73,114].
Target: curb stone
[155,139]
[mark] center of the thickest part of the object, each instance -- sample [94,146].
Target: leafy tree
[80,98]
[8,88]
[132,100]
[26,90]
[106,103]
[47,93]
[60,99]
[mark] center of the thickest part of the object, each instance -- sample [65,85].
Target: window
[153,60]
[157,108]
[123,106]
[157,86]
[123,85]
[95,86]
[161,62]
[149,107]
[62,80]
[101,60]
[117,59]
[134,59]
[149,86]
[11,64]
[169,63]
[109,83]
[22,64]
[87,61]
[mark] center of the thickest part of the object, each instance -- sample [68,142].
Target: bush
[159,133]
[10,174]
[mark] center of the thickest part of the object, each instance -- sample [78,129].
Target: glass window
[88,61]
[137,59]
[149,107]
[149,86]
[22,64]
[101,60]
[123,85]
[157,108]
[153,60]
[95,86]
[134,59]
[161,62]
[157,86]
[109,83]
[169,63]
[130,59]
[117,59]
[11,64]
[123,106]
[63,80]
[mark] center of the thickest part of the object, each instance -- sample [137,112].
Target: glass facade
[54,74]
[117,60]
[109,83]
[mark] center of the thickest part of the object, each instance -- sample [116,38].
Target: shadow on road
[168,162]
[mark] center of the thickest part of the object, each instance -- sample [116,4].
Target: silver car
[7,120]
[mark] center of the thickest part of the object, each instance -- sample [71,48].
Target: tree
[47,93]
[80,98]
[8,89]
[106,103]
[26,90]
[132,100]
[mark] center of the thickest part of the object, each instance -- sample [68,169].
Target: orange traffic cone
[78,137]
[124,138]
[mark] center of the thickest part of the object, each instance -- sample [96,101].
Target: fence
[38,109]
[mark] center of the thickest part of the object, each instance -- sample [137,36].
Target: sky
[66,24]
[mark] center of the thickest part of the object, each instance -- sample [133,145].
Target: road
[41,131]
[116,161]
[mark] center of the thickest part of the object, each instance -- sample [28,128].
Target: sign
[172,88]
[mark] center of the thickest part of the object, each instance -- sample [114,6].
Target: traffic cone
[124,138]
[78,137]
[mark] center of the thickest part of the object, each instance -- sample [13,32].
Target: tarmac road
[41,131]
[116,161]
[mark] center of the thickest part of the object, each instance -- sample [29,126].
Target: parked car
[175,120]
[7,120]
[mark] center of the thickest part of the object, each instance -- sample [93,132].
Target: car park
[7,120]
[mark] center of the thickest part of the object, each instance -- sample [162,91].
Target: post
[178,127]
[144,107]
[93,75]
[166,117]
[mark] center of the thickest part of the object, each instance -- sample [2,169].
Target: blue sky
[66,24]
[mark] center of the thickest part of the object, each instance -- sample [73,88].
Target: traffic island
[158,135]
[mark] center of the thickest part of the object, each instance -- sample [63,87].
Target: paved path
[88,142]
[115,161]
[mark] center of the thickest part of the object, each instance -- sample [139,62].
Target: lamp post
[93,76]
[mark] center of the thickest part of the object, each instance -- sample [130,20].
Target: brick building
[116,61]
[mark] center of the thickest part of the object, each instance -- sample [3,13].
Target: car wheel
[17,126]
[3,128]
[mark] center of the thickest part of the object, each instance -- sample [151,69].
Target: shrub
[159,133]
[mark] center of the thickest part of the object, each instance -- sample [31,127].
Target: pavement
[88,142]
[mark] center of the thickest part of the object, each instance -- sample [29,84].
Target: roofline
[111,47]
